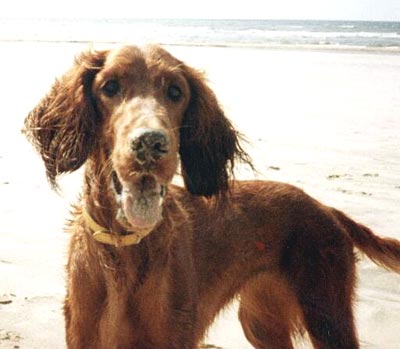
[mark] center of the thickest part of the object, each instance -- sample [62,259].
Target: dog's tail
[382,251]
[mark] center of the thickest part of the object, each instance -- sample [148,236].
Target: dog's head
[138,112]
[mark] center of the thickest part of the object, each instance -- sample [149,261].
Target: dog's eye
[174,93]
[110,88]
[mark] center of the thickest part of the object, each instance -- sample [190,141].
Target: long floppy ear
[63,125]
[209,144]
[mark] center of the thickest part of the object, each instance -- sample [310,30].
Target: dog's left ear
[209,144]
[63,125]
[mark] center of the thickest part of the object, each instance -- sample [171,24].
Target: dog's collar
[104,236]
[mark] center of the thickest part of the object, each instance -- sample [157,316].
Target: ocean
[293,34]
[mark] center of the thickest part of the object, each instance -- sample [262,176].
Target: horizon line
[50,17]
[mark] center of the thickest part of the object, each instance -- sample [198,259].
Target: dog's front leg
[183,298]
[84,299]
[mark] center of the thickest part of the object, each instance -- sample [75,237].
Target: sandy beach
[325,121]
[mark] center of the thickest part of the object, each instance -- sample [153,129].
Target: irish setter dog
[150,263]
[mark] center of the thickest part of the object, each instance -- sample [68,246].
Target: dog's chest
[134,314]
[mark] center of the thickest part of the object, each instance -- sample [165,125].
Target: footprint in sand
[9,339]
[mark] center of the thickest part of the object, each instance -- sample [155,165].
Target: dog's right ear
[63,125]
[209,143]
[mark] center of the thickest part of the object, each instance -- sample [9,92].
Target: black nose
[149,145]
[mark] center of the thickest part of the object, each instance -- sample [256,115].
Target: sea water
[199,32]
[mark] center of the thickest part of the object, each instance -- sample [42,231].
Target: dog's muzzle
[135,179]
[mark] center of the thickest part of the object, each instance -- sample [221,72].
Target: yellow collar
[104,236]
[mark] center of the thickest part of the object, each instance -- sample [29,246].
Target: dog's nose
[149,145]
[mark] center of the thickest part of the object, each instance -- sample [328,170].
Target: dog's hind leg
[329,322]
[320,266]
[268,312]
[326,304]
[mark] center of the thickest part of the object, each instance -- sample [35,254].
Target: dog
[150,263]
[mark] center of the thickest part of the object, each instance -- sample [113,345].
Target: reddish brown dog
[151,264]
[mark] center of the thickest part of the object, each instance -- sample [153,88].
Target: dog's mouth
[140,201]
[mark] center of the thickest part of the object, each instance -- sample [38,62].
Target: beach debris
[5,261]
[274,168]
[344,191]
[371,175]
[336,176]
[6,298]
[351,192]
[365,193]
[347,175]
